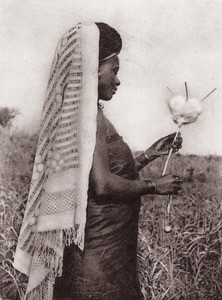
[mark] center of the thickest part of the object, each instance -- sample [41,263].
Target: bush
[7,115]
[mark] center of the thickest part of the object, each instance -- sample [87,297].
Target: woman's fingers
[177,184]
[171,137]
[177,179]
[177,145]
[168,184]
[170,143]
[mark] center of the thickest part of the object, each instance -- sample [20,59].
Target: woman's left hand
[163,145]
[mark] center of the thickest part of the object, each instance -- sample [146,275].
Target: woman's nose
[117,81]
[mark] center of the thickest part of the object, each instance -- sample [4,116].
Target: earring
[100,105]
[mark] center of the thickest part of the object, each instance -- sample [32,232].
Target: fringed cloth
[55,215]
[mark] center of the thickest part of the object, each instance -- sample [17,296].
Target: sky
[165,43]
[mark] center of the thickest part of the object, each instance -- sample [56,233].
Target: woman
[79,235]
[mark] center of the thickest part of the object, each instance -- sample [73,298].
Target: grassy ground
[183,264]
[187,262]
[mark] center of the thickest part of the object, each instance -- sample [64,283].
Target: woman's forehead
[114,61]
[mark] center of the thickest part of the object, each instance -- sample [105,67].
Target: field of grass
[185,264]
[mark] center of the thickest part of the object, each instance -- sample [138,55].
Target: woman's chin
[106,97]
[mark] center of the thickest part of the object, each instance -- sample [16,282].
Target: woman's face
[108,80]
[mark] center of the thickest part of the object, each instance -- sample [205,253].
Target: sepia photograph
[111,150]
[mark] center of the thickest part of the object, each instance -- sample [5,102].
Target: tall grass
[17,157]
[184,264]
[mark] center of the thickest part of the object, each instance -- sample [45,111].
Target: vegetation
[17,156]
[7,115]
[183,264]
[187,262]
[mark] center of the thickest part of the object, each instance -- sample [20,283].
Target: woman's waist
[112,221]
[113,211]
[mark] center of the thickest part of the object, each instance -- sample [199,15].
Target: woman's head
[110,44]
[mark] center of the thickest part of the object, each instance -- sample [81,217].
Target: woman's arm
[143,160]
[159,148]
[108,184]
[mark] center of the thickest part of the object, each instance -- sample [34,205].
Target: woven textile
[57,202]
[56,208]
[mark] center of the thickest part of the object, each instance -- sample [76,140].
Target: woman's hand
[168,184]
[163,146]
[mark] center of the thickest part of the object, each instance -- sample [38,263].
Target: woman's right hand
[168,184]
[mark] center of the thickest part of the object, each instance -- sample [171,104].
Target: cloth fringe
[46,244]
[51,260]
[44,291]
[58,237]
[65,236]
[44,247]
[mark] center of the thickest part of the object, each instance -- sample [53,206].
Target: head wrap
[55,215]
[110,42]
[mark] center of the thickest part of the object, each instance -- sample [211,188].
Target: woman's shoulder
[110,129]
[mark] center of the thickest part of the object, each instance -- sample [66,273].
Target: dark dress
[107,269]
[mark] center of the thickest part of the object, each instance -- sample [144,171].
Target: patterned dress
[107,269]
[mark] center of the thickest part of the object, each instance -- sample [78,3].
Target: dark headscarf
[110,41]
